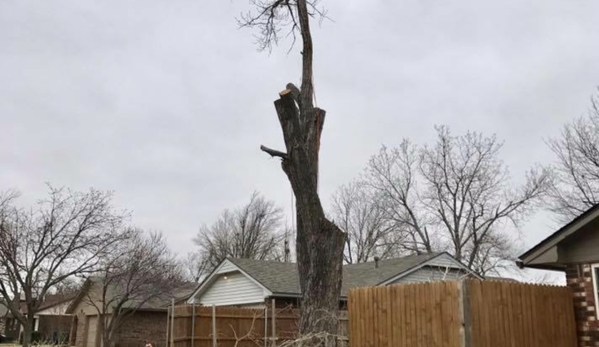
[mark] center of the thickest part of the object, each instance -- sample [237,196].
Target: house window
[595,272]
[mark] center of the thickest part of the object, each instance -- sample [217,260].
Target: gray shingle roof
[282,278]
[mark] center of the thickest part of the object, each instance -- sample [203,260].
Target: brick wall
[580,279]
[142,327]
[80,331]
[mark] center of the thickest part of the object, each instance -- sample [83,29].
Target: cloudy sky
[167,102]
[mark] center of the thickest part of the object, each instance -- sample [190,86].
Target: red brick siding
[142,327]
[80,331]
[580,279]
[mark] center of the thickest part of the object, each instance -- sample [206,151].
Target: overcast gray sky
[167,102]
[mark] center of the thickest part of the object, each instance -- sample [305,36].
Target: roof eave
[559,235]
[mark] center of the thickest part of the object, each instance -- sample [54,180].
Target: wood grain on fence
[239,327]
[468,314]
[406,315]
[516,314]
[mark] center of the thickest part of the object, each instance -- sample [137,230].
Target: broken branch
[274,152]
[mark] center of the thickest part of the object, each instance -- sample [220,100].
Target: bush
[36,336]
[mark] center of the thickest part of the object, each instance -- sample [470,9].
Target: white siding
[227,266]
[236,289]
[427,274]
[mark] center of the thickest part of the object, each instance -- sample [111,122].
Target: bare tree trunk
[319,242]
[27,330]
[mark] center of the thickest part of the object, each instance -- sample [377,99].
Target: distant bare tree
[576,183]
[140,270]
[357,211]
[194,266]
[65,235]
[252,231]
[455,195]
[394,174]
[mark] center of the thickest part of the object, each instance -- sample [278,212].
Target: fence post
[168,318]
[172,322]
[193,323]
[213,325]
[274,323]
[465,313]
[266,325]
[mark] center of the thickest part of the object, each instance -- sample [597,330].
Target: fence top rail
[550,286]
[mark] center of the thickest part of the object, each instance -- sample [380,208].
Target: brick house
[145,323]
[50,321]
[574,250]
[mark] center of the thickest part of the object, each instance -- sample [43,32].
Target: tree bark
[319,242]
[28,330]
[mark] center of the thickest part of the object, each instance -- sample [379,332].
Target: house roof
[552,240]
[180,293]
[50,300]
[282,278]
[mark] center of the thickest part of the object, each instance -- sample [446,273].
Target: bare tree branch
[370,233]
[274,152]
[139,271]
[576,172]
[455,196]
[252,231]
[64,236]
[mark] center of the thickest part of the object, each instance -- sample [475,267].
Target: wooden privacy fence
[201,326]
[468,313]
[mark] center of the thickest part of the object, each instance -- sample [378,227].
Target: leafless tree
[455,195]
[194,266]
[319,242]
[252,231]
[139,271]
[63,236]
[394,174]
[358,211]
[576,173]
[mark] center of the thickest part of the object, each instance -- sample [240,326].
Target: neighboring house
[146,323]
[574,249]
[247,282]
[50,322]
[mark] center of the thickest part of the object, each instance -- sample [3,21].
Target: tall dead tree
[319,242]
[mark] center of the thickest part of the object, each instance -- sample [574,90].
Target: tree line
[455,194]
[67,236]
